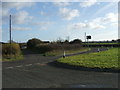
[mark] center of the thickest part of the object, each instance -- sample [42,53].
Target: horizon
[49,21]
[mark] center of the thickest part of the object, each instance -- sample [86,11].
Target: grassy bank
[104,59]
[12,57]
[60,52]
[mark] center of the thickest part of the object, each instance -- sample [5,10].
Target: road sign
[88,37]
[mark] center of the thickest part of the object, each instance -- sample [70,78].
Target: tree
[76,41]
[33,42]
[118,40]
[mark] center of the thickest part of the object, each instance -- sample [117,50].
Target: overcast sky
[51,20]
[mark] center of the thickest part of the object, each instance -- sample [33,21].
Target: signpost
[88,37]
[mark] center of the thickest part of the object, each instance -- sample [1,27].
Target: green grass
[12,57]
[60,52]
[100,43]
[104,59]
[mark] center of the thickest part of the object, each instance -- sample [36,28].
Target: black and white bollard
[64,54]
[98,50]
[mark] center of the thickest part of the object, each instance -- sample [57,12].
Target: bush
[76,41]
[33,42]
[8,49]
[43,48]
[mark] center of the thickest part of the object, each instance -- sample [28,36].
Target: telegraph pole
[10,29]
[85,36]
[10,39]
[85,39]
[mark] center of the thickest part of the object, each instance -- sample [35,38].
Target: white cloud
[88,3]
[78,25]
[43,23]
[81,26]
[43,28]
[21,17]
[110,19]
[94,26]
[7,6]
[61,4]
[21,28]
[69,14]
[17,5]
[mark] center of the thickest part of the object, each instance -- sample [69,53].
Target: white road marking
[19,66]
[9,67]
[41,64]
[83,85]
[37,63]
[28,65]
[107,73]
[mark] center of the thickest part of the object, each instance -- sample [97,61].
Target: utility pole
[10,39]
[10,29]
[85,39]
[85,36]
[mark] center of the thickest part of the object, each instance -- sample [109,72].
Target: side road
[35,72]
[31,58]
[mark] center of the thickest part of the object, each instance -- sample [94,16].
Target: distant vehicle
[23,47]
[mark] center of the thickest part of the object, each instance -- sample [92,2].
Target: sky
[50,21]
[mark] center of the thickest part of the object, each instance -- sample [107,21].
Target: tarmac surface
[35,71]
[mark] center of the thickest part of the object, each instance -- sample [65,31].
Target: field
[100,43]
[104,59]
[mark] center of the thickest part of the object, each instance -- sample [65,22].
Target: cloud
[94,26]
[21,28]
[69,14]
[16,5]
[43,23]
[78,25]
[81,26]
[21,17]
[61,4]
[110,19]
[19,1]
[7,6]
[88,3]
[43,28]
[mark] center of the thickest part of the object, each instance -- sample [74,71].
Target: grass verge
[12,57]
[60,52]
[103,60]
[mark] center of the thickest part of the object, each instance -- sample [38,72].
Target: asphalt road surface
[36,72]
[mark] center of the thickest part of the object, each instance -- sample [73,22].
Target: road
[36,72]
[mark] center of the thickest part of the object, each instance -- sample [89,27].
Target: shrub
[43,48]
[8,49]
[33,42]
[76,41]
